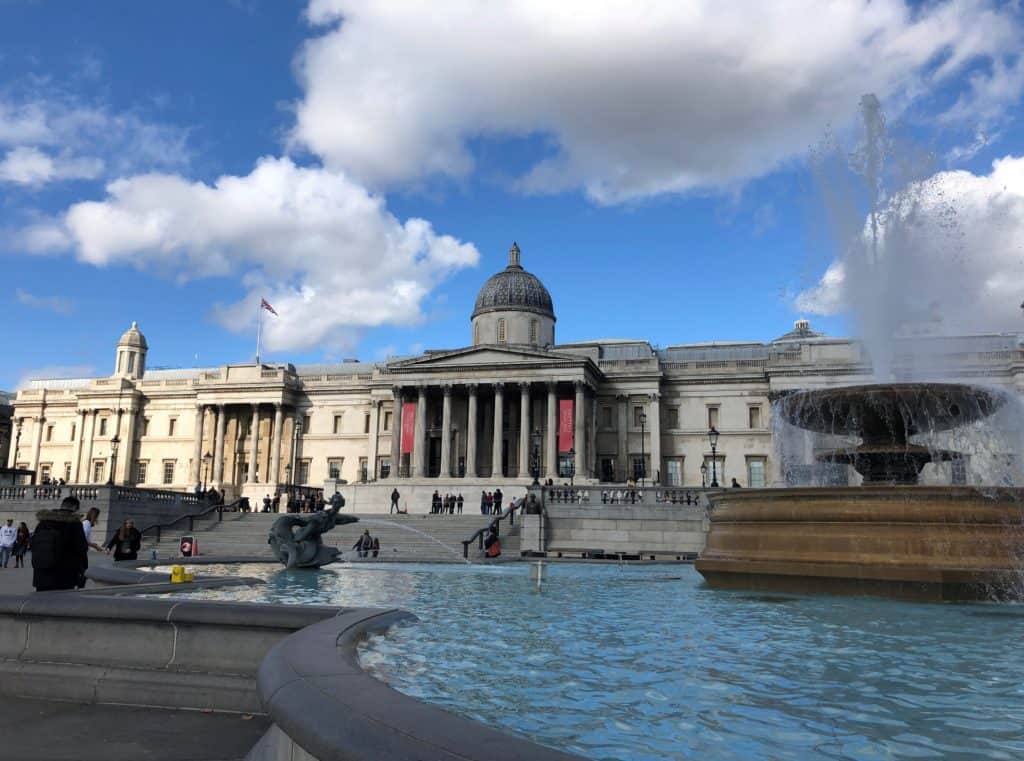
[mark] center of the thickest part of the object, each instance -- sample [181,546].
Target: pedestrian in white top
[7,536]
[87,525]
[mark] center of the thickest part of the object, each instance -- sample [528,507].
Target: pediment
[486,356]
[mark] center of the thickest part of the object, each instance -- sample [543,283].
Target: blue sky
[170,163]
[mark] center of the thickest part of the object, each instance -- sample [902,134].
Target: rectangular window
[713,417]
[49,433]
[337,424]
[638,417]
[566,466]
[67,472]
[170,426]
[97,471]
[145,426]
[168,471]
[716,473]
[103,426]
[387,421]
[754,417]
[673,417]
[606,417]
[44,473]
[674,472]
[366,423]
[755,472]
[334,468]
[303,472]
[131,361]
[140,471]
[307,425]
[364,465]
[384,466]
[639,467]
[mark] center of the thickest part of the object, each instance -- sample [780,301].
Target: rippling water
[645,662]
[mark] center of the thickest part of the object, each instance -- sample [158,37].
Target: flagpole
[259,329]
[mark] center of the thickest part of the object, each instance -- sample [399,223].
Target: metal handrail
[495,525]
[191,518]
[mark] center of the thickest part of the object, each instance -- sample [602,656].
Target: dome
[514,289]
[132,337]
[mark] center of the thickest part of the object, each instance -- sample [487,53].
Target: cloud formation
[952,263]
[325,252]
[635,100]
[51,303]
[29,166]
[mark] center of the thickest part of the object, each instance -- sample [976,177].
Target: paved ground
[39,730]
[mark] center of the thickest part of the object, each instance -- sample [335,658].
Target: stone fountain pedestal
[912,542]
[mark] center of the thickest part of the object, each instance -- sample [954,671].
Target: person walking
[395,496]
[60,552]
[21,545]
[7,536]
[126,542]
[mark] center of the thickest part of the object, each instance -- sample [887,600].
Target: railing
[158,528]
[590,496]
[494,525]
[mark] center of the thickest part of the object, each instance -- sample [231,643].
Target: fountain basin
[911,542]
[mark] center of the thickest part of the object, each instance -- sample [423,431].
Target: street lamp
[572,468]
[114,442]
[643,457]
[713,439]
[207,461]
[535,457]
[703,474]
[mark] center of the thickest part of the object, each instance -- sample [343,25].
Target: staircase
[245,534]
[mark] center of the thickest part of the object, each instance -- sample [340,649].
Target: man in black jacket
[59,550]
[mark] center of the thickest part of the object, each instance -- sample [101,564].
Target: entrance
[607,469]
[434,457]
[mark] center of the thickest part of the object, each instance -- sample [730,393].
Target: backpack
[46,547]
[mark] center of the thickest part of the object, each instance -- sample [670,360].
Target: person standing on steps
[497,501]
[458,503]
[395,496]
[483,503]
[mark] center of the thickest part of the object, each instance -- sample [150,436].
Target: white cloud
[635,99]
[52,303]
[954,262]
[30,166]
[325,252]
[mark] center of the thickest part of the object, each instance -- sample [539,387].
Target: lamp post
[207,461]
[703,474]
[572,468]
[643,456]
[713,440]
[114,442]
[535,439]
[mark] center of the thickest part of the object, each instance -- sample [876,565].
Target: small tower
[131,354]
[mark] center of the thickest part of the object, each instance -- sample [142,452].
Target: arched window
[533,331]
[501,330]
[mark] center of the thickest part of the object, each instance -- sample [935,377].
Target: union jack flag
[265,305]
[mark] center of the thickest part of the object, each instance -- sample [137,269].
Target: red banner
[565,442]
[408,426]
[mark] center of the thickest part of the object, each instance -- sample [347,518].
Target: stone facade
[475,414]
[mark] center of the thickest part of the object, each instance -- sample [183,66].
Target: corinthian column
[471,423]
[524,429]
[551,453]
[76,454]
[499,434]
[396,431]
[419,446]
[446,432]
[654,418]
[197,456]
[218,447]
[275,447]
[37,440]
[579,438]
[254,438]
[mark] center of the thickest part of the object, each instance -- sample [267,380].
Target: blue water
[645,662]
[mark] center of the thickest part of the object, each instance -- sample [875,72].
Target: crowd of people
[60,545]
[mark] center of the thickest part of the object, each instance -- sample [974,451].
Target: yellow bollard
[177,574]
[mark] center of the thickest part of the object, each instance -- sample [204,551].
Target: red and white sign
[408,426]
[565,442]
[188,546]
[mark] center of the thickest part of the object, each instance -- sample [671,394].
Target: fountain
[890,535]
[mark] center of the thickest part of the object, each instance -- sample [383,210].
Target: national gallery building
[595,411]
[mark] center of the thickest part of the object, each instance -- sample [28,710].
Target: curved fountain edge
[324,706]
